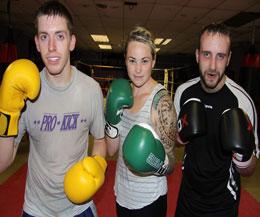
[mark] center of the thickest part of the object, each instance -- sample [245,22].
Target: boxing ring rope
[104,74]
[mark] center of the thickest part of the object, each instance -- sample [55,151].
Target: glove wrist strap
[240,163]
[8,124]
[163,170]
[111,130]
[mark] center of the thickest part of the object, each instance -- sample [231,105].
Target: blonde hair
[143,35]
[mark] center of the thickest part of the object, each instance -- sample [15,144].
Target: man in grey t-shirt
[67,106]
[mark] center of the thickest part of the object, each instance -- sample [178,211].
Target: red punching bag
[250,78]
[8,50]
[250,74]
[250,71]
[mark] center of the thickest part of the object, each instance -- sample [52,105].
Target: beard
[213,83]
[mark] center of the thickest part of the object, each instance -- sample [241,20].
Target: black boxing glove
[237,136]
[192,120]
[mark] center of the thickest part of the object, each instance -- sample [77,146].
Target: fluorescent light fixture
[105,46]
[158,41]
[100,38]
[166,41]
[157,49]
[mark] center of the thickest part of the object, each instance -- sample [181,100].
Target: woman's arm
[164,119]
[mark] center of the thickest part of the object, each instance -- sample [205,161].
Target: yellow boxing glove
[21,80]
[84,179]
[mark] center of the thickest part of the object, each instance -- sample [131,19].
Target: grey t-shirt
[58,124]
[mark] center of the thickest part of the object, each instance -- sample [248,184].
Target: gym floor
[250,184]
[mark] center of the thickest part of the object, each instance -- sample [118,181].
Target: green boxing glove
[143,152]
[119,96]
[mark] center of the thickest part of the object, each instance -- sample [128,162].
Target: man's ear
[72,42]
[229,57]
[197,55]
[36,40]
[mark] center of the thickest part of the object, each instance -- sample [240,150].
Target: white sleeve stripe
[243,99]
[249,99]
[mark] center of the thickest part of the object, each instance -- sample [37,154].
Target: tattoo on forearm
[165,121]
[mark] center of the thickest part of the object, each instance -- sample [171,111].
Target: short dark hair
[216,28]
[54,8]
[143,35]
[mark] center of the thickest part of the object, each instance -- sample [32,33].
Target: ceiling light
[105,46]
[100,38]
[157,49]
[166,41]
[158,41]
